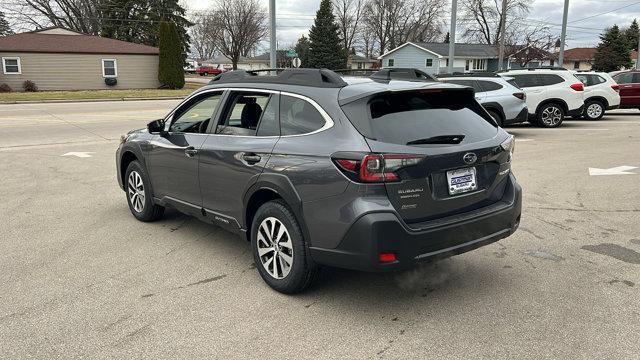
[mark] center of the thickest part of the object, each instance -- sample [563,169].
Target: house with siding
[432,58]
[61,59]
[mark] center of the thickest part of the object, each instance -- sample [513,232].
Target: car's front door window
[194,116]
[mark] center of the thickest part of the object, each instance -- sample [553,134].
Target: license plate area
[460,181]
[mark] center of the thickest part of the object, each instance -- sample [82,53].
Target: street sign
[296,62]
[292,53]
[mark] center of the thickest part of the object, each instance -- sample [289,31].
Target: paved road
[79,277]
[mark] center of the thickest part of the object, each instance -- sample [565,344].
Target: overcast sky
[294,17]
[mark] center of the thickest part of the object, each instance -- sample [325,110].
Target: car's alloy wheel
[594,111]
[551,116]
[275,248]
[135,188]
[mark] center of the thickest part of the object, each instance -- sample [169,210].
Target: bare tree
[349,16]
[203,40]
[485,16]
[394,22]
[78,15]
[534,43]
[240,26]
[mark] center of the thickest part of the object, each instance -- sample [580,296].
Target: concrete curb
[62,101]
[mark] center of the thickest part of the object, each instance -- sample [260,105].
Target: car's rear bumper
[382,232]
[521,117]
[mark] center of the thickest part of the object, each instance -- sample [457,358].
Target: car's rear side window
[527,80]
[401,117]
[550,79]
[298,116]
[489,85]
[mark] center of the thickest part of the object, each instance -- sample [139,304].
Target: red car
[206,70]
[629,82]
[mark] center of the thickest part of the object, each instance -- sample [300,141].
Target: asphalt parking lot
[80,277]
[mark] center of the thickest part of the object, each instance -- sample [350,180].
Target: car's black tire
[594,110]
[497,117]
[550,115]
[302,271]
[206,74]
[138,187]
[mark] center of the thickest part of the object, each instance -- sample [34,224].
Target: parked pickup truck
[208,70]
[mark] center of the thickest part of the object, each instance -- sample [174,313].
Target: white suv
[601,93]
[551,94]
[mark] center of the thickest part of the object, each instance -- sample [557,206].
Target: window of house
[11,65]
[429,63]
[576,64]
[109,68]
[298,116]
[479,64]
[391,62]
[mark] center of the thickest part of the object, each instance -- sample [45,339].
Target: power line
[606,12]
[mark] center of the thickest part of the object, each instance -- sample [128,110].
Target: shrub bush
[29,86]
[5,88]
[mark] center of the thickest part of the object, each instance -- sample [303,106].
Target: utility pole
[272,33]
[638,55]
[452,35]
[563,34]
[503,20]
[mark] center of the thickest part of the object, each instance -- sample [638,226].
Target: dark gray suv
[371,175]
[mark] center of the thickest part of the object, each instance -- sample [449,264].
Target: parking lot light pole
[272,33]
[563,34]
[638,55]
[452,35]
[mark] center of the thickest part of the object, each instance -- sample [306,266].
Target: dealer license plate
[462,180]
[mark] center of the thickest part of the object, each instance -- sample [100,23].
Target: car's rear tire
[497,117]
[206,74]
[594,110]
[550,115]
[139,195]
[279,249]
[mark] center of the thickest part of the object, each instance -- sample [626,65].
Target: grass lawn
[97,94]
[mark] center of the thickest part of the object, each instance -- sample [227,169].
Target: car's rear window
[401,117]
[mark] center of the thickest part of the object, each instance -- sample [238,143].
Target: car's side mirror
[156,126]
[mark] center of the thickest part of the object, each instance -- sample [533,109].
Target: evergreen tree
[612,52]
[170,69]
[302,49]
[5,29]
[631,35]
[325,48]
[138,21]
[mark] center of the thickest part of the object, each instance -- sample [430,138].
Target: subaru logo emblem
[469,158]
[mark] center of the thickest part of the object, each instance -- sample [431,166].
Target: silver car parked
[500,96]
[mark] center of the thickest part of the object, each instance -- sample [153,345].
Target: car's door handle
[190,152]
[251,158]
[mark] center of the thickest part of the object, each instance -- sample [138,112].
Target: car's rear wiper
[441,139]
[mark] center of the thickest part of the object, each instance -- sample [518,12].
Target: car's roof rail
[355,72]
[469,74]
[290,76]
[536,68]
[409,74]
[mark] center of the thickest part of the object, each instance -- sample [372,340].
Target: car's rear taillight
[520,95]
[376,167]
[615,87]
[577,86]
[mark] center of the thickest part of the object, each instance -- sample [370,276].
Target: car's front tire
[550,115]
[279,249]
[139,195]
[594,110]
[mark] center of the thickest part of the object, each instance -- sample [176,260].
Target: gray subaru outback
[367,174]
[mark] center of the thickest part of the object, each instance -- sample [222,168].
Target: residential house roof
[582,53]
[461,50]
[76,43]
[354,58]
